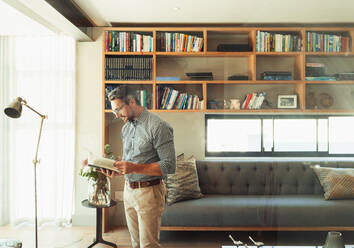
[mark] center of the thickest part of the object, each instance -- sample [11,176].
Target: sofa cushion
[184,184]
[261,177]
[337,183]
[260,210]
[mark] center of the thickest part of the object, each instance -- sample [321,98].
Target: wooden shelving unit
[296,61]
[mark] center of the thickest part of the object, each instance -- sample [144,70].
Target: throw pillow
[184,184]
[337,183]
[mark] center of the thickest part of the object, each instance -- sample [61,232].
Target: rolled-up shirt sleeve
[165,147]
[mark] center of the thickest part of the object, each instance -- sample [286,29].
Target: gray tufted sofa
[260,196]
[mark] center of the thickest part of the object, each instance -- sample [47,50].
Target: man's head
[124,105]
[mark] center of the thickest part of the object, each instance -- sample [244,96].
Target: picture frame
[287,101]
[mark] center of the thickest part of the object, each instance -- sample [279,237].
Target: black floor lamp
[14,110]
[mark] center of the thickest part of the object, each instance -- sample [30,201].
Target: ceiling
[106,12]
[72,17]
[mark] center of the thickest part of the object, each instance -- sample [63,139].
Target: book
[171,78]
[101,162]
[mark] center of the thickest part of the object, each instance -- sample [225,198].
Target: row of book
[169,98]
[322,42]
[179,42]
[128,68]
[276,75]
[274,42]
[127,42]
[253,100]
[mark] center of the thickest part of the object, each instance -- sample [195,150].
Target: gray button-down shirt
[146,140]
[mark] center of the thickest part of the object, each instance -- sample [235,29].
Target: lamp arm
[25,104]
[35,161]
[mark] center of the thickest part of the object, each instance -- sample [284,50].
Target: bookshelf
[167,54]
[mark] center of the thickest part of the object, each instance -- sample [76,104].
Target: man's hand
[125,167]
[109,173]
[85,163]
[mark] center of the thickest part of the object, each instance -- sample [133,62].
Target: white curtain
[42,71]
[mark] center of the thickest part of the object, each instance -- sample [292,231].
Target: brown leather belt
[136,185]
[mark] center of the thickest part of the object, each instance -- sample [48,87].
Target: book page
[101,162]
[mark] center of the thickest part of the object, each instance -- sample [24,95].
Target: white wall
[89,120]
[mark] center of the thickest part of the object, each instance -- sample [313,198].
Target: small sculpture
[237,243]
[258,244]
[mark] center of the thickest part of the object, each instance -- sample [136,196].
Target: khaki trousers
[143,210]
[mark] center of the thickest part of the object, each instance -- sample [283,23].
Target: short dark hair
[121,92]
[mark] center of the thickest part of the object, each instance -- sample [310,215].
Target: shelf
[330,53]
[250,110]
[279,53]
[278,81]
[177,110]
[180,53]
[180,82]
[329,82]
[127,82]
[253,82]
[348,111]
[253,110]
[128,53]
[229,54]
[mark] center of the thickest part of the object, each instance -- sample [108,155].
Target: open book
[101,162]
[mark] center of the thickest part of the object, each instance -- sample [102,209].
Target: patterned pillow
[337,183]
[184,184]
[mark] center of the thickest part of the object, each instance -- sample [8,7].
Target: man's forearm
[152,169]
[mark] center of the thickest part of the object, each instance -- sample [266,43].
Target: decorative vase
[99,191]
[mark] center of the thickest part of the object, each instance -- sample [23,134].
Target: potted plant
[99,186]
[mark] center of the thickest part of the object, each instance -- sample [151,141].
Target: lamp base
[10,243]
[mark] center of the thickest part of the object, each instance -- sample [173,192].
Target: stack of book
[274,42]
[322,42]
[345,76]
[317,72]
[127,42]
[315,69]
[200,75]
[128,68]
[179,42]
[276,75]
[169,98]
[253,101]
[321,78]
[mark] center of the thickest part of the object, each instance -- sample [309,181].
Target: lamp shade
[14,109]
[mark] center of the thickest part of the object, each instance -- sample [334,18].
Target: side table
[99,238]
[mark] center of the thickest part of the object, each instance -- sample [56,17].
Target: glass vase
[99,191]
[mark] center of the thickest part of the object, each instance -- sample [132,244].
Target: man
[148,156]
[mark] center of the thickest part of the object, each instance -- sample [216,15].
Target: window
[232,135]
